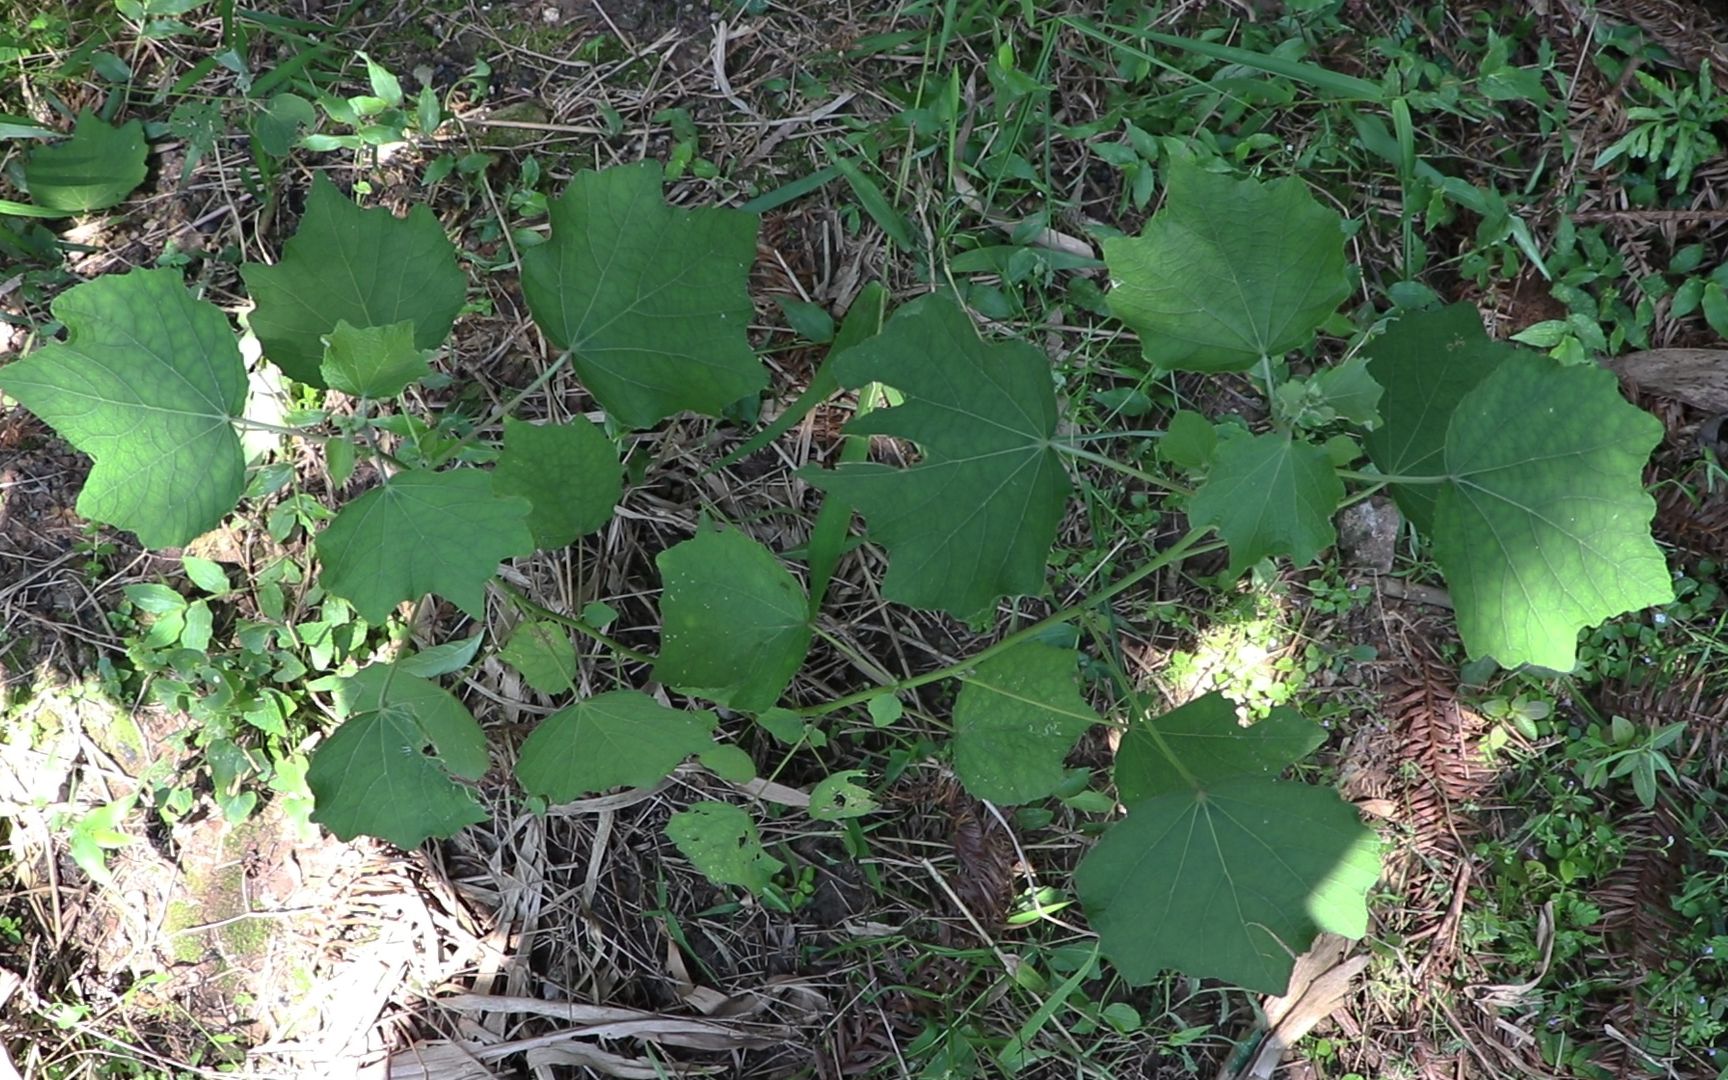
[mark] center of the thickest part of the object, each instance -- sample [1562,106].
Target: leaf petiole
[1126,470]
[1383,479]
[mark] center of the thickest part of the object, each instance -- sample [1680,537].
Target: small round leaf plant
[1522,473]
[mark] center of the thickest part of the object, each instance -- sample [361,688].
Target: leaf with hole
[721,841]
[1228,271]
[733,626]
[1271,494]
[367,268]
[422,532]
[568,471]
[149,383]
[542,653]
[650,300]
[1017,716]
[975,516]
[619,739]
[390,769]
[93,170]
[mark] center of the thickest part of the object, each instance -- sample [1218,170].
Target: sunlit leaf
[720,840]
[1544,528]
[149,383]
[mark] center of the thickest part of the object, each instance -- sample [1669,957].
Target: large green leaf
[569,472]
[1229,882]
[421,532]
[650,300]
[1220,869]
[720,840]
[1426,362]
[149,383]
[1017,716]
[733,622]
[1228,271]
[96,168]
[389,770]
[1206,739]
[619,739]
[1272,494]
[974,518]
[1539,518]
[1545,527]
[363,267]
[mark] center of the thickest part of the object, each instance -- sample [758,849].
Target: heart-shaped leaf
[1272,494]
[96,168]
[619,739]
[389,770]
[422,532]
[149,383]
[733,621]
[1017,716]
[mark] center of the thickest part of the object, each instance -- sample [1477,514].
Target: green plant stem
[521,600]
[1389,478]
[1187,546]
[1126,470]
[499,413]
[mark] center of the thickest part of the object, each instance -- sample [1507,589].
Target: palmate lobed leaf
[364,267]
[1540,521]
[1271,494]
[1229,882]
[421,532]
[1017,716]
[149,383]
[1220,869]
[975,517]
[93,170]
[734,628]
[372,361]
[651,301]
[1228,271]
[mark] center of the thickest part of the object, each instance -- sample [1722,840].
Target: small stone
[1368,534]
